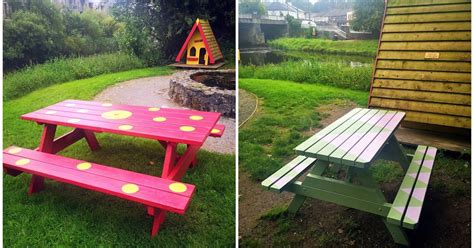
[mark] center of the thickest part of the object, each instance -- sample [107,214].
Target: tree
[368,15]
[252,7]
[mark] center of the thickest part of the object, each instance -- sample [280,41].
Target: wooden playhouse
[423,64]
[200,50]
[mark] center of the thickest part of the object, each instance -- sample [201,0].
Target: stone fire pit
[205,90]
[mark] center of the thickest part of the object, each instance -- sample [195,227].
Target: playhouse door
[202,56]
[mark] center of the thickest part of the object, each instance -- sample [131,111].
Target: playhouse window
[192,52]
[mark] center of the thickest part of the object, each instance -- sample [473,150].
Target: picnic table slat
[293,174]
[101,170]
[348,133]
[145,195]
[357,149]
[328,138]
[282,171]
[336,155]
[315,138]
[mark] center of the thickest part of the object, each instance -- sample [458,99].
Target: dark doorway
[202,54]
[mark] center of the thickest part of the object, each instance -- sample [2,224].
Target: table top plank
[379,141]
[348,133]
[309,142]
[174,125]
[328,138]
[352,155]
[336,155]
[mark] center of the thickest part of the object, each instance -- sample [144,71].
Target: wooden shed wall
[423,64]
[211,39]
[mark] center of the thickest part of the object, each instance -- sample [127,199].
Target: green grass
[68,216]
[353,47]
[24,81]
[314,72]
[287,111]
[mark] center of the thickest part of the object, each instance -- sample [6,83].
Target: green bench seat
[288,173]
[406,208]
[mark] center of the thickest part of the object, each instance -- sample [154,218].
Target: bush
[60,70]
[307,71]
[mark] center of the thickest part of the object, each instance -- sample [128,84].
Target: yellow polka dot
[125,127]
[130,188]
[196,117]
[73,120]
[187,128]
[51,112]
[117,115]
[215,130]
[153,109]
[106,104]
[177,187]
[159,119]
[82,110]
[23,161]
[70,104]
[14,150]
[84,166]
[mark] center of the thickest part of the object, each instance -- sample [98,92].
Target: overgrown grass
[287,111]
[68,216]
[354,47]
[24,81]
[310,71]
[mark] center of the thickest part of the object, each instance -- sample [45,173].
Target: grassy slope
[67,216]
[354,47]
[287,110]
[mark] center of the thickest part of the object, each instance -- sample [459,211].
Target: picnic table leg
[158,218]
[170,159]
[393,151]
[397,232]
[194,162]
[298,200]
[91,140]
[47,146]
[183,163]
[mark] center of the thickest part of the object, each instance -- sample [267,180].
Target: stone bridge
[254,29]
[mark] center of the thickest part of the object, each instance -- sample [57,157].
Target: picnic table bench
[168,126]
[353,143]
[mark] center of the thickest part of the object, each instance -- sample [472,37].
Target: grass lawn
[66,216]
[353,47]
[287,116]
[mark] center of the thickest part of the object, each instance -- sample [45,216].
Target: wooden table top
[354,139]
[165,124]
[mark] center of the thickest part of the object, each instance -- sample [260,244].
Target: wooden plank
[438,119]
[370,117]
[292,175]
[422,96]
[145,195]
[427,27]
[393,3]
[400,203]
[424,76]
[354,152]
[327,139]
[427,46]
[432,17]
[217,131]
[413,212]
[282,171]
[336,156]
[430,36]
[429,9]
[408,55]
[319,135]
[424,65]
[403,105]
[423,85]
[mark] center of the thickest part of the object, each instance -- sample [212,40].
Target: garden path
[153,91]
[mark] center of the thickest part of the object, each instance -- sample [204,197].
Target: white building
[280,8]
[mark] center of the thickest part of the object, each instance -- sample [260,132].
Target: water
[262,56]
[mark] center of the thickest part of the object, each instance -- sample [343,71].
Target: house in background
[338,17]
[281,8]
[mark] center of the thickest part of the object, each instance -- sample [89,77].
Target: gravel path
[153,91]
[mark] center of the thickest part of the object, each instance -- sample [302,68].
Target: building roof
[208,38]
[332,12]
[278,6]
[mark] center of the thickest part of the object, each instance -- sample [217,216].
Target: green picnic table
[352,144]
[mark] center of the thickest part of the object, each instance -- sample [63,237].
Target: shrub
[60,70]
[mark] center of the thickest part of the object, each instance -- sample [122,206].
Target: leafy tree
[368,15]
[294,26]
[252,7]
